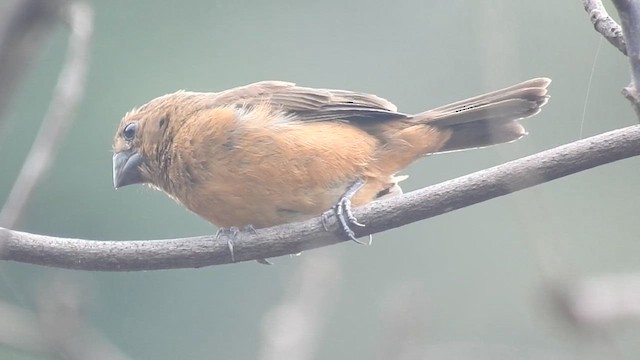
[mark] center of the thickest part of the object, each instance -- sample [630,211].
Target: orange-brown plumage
[271,152]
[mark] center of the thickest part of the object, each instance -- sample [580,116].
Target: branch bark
[604,24]
[629,44]
[629,12]
[293,238]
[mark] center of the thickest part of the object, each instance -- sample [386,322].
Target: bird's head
[143,139]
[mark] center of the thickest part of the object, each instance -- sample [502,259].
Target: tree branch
[294,238]
[28,24]
[58,328]
[599,300]
[629,12]
[604,24]
[59,116]
[293,328]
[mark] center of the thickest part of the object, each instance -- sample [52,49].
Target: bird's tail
[488,119]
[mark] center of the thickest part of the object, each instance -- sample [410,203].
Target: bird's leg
[232,233]
[344,214]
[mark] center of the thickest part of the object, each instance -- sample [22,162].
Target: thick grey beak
[126,168]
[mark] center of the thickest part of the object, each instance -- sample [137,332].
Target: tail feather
[483,133]
[488,119]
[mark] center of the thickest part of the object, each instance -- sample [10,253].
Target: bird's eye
[129,131]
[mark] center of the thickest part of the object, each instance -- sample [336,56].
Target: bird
[272,152]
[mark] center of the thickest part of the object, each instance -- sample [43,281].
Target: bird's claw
[344,213]
[231,234]
[264,262]
[342,210]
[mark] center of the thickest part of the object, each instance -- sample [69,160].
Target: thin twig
[68,92]
[19,330]
[590,306]
[406,320]
[292,329]
[294,238]
[27,24]
[604,24]
[603,299]
[63,323]
[58,328]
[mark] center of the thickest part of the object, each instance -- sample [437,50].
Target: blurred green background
[465,285]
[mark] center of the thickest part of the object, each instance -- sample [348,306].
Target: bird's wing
[309,104]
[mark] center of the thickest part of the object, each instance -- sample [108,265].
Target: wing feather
[309,104]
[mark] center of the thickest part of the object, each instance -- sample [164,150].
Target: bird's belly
[261,204]
[276,175]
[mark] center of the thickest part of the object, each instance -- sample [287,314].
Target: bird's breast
[236,172]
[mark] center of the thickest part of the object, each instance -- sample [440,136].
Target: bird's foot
[232,233]
[344,214]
